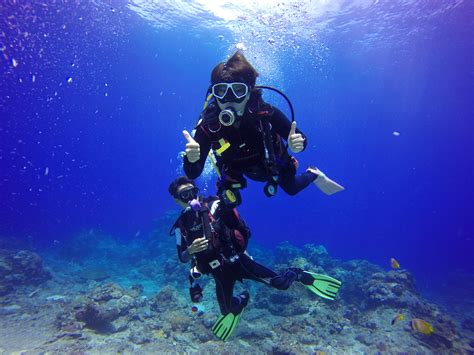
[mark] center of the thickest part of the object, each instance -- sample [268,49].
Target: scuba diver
[247,137]
[214,238]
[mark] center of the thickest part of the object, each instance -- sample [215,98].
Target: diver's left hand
[295,140]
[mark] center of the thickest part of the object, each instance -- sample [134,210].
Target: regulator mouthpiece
[195,205]
[227,116]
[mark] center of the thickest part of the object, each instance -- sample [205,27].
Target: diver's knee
[292,191]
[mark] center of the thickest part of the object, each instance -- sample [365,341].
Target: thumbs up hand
[192,148]
[295,140]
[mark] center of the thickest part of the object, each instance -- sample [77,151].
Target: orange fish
[395,265]
[421,326]
[397,318]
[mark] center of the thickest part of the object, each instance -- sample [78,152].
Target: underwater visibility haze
[94,97]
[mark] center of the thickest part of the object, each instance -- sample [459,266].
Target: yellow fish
[421,326]
[394,264]
[398,318]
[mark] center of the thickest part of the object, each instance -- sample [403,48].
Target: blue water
[93,99]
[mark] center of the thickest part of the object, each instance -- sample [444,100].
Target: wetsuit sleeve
[282,125]
[181,246]
[194,170]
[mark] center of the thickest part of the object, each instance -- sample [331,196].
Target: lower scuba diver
[214,238]
[247,137]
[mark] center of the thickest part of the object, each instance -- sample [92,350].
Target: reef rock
[99,317]
[164,300]
[11,309]
[286,251]
[107,292]
[318,255]
[20,268]
[443,336]
[140,335]
[394,289]
[280,302]
[468,324]
[108,309]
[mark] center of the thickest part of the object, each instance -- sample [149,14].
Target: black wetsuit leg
[225,278]
[247,268]
[288,180]
[255,271]
[292,183]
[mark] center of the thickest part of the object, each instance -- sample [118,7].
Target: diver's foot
[325,184]
[240,302]
[244,298]
[305,278]
[226,323]
[322,285]
[314,170]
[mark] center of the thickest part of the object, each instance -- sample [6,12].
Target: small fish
[394,264]
[421,326]
[34,292]
[398,318]
[199,309]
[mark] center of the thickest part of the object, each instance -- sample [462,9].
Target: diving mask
[188,194]
[239,90]
[231,102]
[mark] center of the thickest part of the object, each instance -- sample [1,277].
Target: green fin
[324,286]
[226,324]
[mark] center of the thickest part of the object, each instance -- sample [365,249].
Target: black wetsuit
[230,262]
[245,156]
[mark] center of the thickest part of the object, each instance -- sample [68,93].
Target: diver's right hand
[192,148]
[199,244]
[295,140]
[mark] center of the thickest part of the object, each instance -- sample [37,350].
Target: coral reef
[93,305]
[109,308]
[19,268]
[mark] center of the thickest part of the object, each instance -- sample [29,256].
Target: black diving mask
[188,194]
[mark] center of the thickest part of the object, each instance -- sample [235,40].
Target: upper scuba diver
[214,238]
[247,137]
